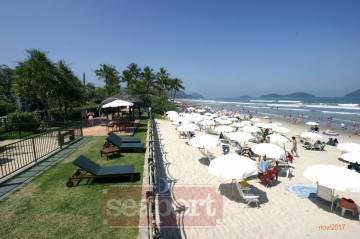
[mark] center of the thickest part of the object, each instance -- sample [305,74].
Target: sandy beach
[282,214]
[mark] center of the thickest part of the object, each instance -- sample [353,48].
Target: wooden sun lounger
[90,170]
[126,146]
[119,139]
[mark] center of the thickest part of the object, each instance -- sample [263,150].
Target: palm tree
[149,79]
[111,77]
[131,74]
[176,86]
[162,79]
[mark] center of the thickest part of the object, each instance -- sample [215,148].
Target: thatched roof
[123,96]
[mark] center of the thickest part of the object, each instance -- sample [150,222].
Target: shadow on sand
[229,191]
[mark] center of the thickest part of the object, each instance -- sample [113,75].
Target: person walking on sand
[294,147]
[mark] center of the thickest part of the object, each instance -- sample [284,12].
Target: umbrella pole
[232,187]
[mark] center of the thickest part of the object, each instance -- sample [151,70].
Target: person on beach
[342,126]
[294,147]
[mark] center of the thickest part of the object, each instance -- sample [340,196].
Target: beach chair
[116,137]
[327,194]
[90,170]
[319,146]
[248,197]
[209,156]
[268,177]
[125,146]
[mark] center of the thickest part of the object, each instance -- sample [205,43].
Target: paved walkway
[17,182]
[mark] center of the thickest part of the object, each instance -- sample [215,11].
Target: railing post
[34,148]
[60,138]
[81,127]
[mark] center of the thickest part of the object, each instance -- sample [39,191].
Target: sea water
[330,112]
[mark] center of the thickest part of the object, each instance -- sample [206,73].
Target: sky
[223,48]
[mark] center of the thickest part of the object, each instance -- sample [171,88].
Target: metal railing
[27,151]
[20,131]
[152,192]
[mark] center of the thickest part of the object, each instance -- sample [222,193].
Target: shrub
[26,121]
[160,105]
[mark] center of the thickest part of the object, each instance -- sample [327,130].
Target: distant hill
[292,95]
[183,95]
[353,94]
[242,97]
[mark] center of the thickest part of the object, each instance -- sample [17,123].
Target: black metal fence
[18,131]
[15,156]
[151,194]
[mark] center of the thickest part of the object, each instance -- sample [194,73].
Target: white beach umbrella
[225,122]
[250,129]
[187,128]
[232,166]
[352,157]
[334,177]
[311,136]
[241,124]
[261,125]
[237,125]
[197,118]
[233,119]
[312,123]
[255,120]
[171,112]
[223,117]
[270,150]
[240,137]
[190,108]
[281,130]
[117,103]
[207,123]
[204,141]
[349,147]
[224,129]
[208,114]
[266,117]
[278,139]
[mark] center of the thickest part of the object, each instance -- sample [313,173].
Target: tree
[35,80]
[70,90]
[7,100]
[111,77]
[148,80]
[163,80]
[176,85]
[131,74]
[5,83]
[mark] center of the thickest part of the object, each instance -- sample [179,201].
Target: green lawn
[46,208]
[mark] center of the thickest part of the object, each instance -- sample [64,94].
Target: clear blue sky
[219,48]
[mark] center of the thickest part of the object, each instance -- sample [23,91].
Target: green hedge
[24,121]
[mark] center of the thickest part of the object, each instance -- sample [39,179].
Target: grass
[46,208]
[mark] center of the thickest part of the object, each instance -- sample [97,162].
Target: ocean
[330,112]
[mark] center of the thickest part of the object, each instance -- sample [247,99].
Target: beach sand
[282,214]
